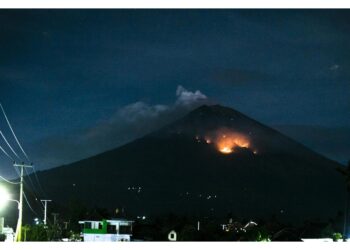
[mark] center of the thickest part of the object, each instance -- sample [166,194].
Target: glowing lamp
[4,197]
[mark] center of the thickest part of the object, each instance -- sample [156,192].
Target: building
[106,230]
[7,231]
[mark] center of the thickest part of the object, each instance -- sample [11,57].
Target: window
[111,229]
[124,229]
[87,225]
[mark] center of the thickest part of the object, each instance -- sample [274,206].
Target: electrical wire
[30,180]
[20,146]
[8,144]
[3,150]
[25,197]
[26,156]
[37,180]
[13,133]
[15,183]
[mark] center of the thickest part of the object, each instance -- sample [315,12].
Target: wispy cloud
[334,67]
[126,124]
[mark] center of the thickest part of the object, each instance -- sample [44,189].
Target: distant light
[143,217]
[36,219]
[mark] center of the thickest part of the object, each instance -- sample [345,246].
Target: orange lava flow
[227,143]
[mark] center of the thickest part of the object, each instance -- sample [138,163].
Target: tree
[346,173]
[36,233]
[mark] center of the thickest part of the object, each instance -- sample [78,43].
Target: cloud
[140,110]
[185,97]
[126,124]
[334,67]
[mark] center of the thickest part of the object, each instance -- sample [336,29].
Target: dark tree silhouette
[346,173]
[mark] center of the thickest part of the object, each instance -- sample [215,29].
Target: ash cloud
[187,98]
[126,124]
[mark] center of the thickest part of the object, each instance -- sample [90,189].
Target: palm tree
[346,173]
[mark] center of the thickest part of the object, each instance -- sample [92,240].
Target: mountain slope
[180,168]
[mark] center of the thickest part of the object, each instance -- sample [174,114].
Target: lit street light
[4,197]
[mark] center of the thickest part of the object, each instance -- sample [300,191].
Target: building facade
[106,230]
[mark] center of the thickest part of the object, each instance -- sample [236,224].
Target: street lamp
[4,198]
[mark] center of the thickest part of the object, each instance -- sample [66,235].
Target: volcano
[214,160]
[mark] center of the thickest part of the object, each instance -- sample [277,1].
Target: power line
[30,180]
[25,197]
[13,133]
[25,182]
[15,183]
[37,180]
[8,144]
[3,150]
[26,156]
[20,146]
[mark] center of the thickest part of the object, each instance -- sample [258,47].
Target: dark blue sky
[67,70]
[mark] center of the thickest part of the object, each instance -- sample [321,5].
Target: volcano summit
[214,160]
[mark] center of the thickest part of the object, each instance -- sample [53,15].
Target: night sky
[78,82]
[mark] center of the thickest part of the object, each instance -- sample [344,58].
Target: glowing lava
[225,150]
[227,141]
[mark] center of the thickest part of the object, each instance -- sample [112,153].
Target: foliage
[257,234]
[36,233]
[337,236]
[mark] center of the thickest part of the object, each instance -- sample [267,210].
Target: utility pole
[54,217]
[44,202]
[18,236]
